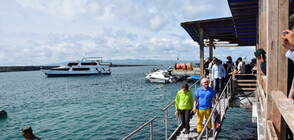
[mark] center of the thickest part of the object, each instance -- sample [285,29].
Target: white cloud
[44,32]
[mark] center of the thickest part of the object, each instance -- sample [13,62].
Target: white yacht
[160,76]
[86,66]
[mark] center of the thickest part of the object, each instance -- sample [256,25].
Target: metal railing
[226,94]
[141,127]
[166,111]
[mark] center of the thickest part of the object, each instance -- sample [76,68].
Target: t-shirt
[204,98]
[263,67]
[241,66]
[290,55]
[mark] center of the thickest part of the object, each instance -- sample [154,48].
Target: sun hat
[259,52]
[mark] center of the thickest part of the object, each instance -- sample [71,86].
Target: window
[60,69]
[89,63]
[72,64]
[81,69]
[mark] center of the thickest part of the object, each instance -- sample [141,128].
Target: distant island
[36,68]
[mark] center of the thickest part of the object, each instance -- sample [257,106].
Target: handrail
[168,105]
[285,107]
[141,127]
[212,112]
[166,112]
[194,84]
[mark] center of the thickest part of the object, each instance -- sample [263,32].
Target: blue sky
[51,31]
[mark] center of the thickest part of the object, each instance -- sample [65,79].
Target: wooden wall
[273,19]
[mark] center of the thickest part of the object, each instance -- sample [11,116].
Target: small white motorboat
[160,76]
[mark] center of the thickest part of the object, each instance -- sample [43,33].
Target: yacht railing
[166,113]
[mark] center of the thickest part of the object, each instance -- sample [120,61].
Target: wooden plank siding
[282,63]
[273,19]
[271,49]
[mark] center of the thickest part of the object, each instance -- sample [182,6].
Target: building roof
[239,29]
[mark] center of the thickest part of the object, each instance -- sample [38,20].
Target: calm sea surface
[96,107]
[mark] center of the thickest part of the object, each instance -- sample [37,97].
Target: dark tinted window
[91,63]
[80,69]
[61,69]
[72,64]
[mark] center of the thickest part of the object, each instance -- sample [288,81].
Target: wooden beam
[246,81]
[282,63]
[243,84]
[201,46]
[271,43]
[271,131]
[244,7]
[211,46]
[242,3]
[245,89]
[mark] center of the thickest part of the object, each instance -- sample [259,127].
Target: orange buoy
[184,66]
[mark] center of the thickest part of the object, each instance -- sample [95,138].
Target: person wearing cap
[288,43]
[260,55]
[27,133]
[230,59]
[218,74]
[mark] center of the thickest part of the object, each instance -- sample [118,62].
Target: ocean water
[97,107]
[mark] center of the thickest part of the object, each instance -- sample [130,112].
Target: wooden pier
[256,23]
[193,126]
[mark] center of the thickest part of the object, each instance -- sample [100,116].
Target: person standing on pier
[184,105]
[204,97]
[230,59]
[260,55]
[218,75]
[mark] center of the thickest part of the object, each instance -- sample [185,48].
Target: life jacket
[217,120]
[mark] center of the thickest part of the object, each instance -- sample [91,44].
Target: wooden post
[211,48]
[233,85]
[275,10]
[201,46]
[282,66]
[262,14]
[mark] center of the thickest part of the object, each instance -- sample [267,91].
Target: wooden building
[257,23]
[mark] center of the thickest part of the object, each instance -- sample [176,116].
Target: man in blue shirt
[218,74]
[204,97]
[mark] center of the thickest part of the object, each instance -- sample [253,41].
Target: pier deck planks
[193,125]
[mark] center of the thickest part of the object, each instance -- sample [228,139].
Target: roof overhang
[238,30]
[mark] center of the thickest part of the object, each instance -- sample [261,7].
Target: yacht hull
[157,80]
[70,73]
[87,66]
[66,75]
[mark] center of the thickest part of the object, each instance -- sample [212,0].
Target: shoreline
[36,68]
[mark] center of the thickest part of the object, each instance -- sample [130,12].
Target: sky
[40,32]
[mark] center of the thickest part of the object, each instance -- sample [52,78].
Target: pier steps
[245,85]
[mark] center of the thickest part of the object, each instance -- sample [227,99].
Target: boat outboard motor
[3,114]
